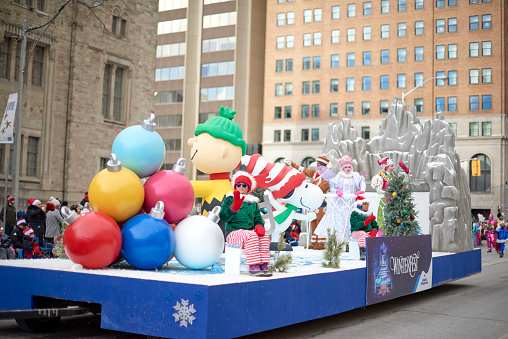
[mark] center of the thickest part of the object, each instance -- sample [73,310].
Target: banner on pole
[7,126]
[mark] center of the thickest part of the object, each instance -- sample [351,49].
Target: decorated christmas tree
[399,212]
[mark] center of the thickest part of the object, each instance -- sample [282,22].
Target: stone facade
[71,118]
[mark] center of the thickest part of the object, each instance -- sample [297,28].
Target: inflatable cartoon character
[216,149]
[284,185]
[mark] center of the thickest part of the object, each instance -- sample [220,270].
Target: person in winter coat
[241,214]
[30,246]
[53,221]
[502,237]
[10,216]
[6,250]
[37,218]
[363,223]
[17,235]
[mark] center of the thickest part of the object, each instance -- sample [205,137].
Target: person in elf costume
[243,219]
[216,149]
[502,237]
[363,224]
[380,181]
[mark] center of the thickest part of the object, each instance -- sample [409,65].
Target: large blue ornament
[140,148]
[148,240]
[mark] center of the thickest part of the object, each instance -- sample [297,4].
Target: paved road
[473,307]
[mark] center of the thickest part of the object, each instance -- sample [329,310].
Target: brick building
[88,77]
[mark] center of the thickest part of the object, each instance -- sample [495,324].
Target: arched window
[279,161]
[481,183]
[307,161]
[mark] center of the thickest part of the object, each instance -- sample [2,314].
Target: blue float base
[224,310]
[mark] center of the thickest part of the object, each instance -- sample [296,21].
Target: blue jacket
[502,233]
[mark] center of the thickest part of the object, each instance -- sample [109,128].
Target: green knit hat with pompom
[223,127]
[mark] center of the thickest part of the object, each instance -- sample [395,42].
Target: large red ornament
[173,189]
[92,239]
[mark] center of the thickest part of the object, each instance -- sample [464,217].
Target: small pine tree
[281,260]
[399,212]
[333,250]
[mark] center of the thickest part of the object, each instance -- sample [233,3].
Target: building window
[306,87]
[317,38]
[219,20]
[351,35]
[473,49]
[384,81]
[440,52]
[217,93]
[278,90]
[218,68]
[401,81]
[168,97]
[287,135]
[287,112]
[401,55]
[276,136]
[474,76]
[316,62]
[474,102]
[487,101]
[452,51]
[289,65]
[453,126]
[366,132]
[307,39]
[278,65]
[486,129]
[486,21]
[334,109]
[306,63]
[316,87]
[440,26]
[5,52]
[31,156]
[290,18]
[401,29]
[486,48]
[385,31]
[315,111]
[37,62]
[350,57]
[452,104]
[335,12]
[452,78]
[401,5]
[418,4]
[290,41]
[305,134]
[440,104]
[280,42]
[419,28]
[281,19]
[334,61]
[440,82]
[113,94]
[335,36]
[365,107]
[419,53]
[350,84]
[482,182]
[305,111]
[366,58]
[440,3]
[164,27]
[452,25]
[173,145]
[418,79]
[317,14]
[474,129]
[487,75]
[367,8]
[307,15]
[350,108]
[315,134]
[351,10]
[385,6]
[288,88]
[334,85]
[383,107]
[366,83]
[473,23]
[307,162]
[209,45]
[367,33]
[385,56]
[419,105]
[278,112]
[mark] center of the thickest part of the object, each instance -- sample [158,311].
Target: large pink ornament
[173,189]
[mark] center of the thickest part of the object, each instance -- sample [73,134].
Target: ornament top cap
[157,212]
[68,215]
[149,123]
[114,165]
[213,215]
[180,166]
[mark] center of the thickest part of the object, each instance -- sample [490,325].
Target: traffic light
[475,168]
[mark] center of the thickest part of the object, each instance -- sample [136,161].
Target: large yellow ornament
[116,191]
[394,194]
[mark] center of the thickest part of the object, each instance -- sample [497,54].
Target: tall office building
[328,60]
[210,53]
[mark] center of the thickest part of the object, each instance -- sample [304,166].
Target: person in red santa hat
[240,212]
[363,223]
[30,246]
[37,218]
[10,216]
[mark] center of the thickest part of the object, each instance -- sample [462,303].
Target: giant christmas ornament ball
[116,191]
[140,148]
[199,242]
[173,189]
[93,240]
[148,242]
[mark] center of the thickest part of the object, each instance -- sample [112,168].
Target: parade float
[171,282]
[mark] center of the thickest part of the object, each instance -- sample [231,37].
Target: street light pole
[443,77]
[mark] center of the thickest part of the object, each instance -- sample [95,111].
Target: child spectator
[502,236]
[30,246]
[6,251]
[17,235]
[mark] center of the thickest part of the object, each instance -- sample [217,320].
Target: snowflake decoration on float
[184,313]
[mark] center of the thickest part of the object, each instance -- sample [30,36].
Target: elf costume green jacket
[246,218]
[358,217]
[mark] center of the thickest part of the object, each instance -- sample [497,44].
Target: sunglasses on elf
[241,185]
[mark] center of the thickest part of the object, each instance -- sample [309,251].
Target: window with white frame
[418,27]
[401,29]
[385,31]
[280,42]
[307,39]
[385,6]
[351,10]
[351,35]
[307,15]
[486,75]
[452,25]
[367,8]
[317,14]
[401,55]
[290,41]
[452,51]
[474,49]
[350,84]
[335,12]
[486,48]
[335,36]
[367,33]
[290,18]
[305,111]
[440,26]
[419,53]
[317,38]
[401,81]
[281,19]
[350,109]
